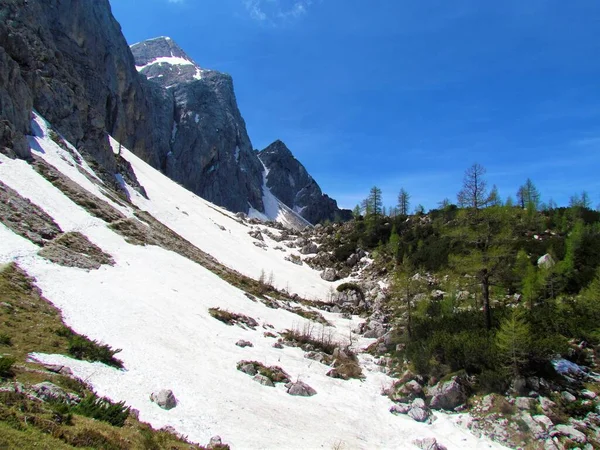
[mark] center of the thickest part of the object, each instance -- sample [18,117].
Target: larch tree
[487,249]
[403,202]
[474,193]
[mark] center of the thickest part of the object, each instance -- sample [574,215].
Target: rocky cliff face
[69,61]
[210,151]
[289,181]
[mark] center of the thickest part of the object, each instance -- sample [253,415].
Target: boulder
[546,261]
[447,395]
[164,398]
[58,368]
[329,274]
[248,369]
[524,403]
[309,248]
[242,343]
[570,432]
[400,408]
[418,411]
[265,381]
[568,397]
[300,389]
[428,444]
[48,392]
[215,442]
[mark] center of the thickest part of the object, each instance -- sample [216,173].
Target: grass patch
[323,341]
[274,373]
[6,366]
[5,340]
[81,347]
[231,318]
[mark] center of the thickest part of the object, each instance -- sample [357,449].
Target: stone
[248,369]
[546,261]
[261,379]
[428,444]
[524,403]
[58,368]
[419,414]
[329,274]
[568,397]
[215,442]
[164,398]
[277,345]
[309,248]
[242,343]
[544,421]
[300,389]
[590,395]
[570,432]
[447,395]
[546,404]
[436,294]
[47,391]
[401,408]
[538,431]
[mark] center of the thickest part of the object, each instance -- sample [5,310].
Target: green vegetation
[103,409]
[499,314]
[81,347]
[274,373]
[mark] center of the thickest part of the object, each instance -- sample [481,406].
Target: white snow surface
[154,305]
[172,60]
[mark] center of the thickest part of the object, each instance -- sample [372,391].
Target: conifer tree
[403,202]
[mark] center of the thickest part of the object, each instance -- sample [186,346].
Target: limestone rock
[428,444]
[329,274]
[164,398]
[447,395]
[301,389]
[47,391]
[242,343]
[261,379]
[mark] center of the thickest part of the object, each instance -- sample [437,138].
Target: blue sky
[405,93]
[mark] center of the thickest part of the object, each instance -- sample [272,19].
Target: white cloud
[273,11]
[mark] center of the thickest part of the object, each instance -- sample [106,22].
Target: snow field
[154,305]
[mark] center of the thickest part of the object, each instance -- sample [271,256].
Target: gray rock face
[447,395]
[209,150]
[301,389]
[164,398]
[47,391]
[290,182]
[69,61]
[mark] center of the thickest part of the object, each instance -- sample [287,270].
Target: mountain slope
[210,151]
[154,304]
[289,181]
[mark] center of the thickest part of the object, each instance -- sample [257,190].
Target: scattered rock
[164,398]
[400,408]
[263,380]
[242,343]
[418,411]
[329,274]
[568,397]
[277,345]
[57,368]
[248,369]
[47,391]
[589,394]
[215,441]
[447,395]
[546,261]
[524,403]
[570,432]
[301,389]
[428,444]
[309,248]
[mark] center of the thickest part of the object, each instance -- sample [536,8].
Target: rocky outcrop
[209,151]
[164,398]
[289,181]
[69,61]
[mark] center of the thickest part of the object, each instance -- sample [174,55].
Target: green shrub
[103,409]
[81,347]
[6,364]
[5,339]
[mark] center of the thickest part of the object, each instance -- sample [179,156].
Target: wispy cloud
[275,11]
